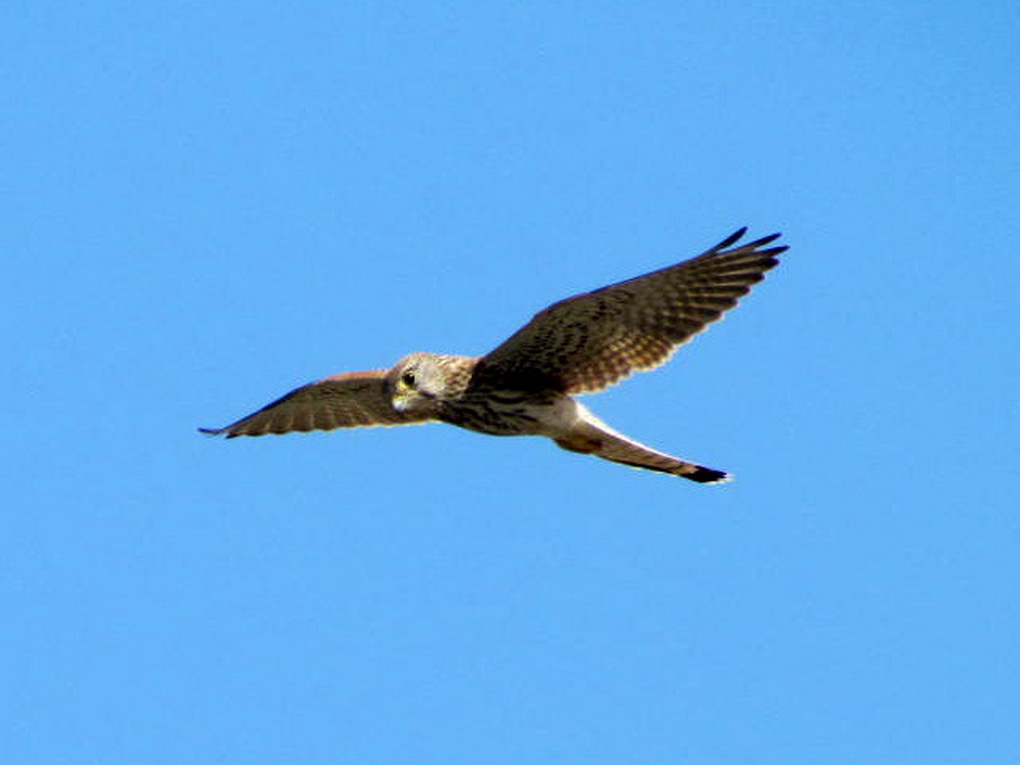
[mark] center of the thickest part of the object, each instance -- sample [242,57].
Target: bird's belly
[512,413]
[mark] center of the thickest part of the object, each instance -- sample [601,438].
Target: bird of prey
[525,386]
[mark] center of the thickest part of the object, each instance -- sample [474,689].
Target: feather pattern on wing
[590,341]
[349,400]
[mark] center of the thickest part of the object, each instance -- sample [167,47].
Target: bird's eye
[407,379]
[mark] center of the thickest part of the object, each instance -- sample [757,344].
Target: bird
[527,385]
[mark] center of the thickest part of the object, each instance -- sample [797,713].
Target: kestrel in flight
[525,386]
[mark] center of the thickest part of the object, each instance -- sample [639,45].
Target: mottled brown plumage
[523,387]
[349,400]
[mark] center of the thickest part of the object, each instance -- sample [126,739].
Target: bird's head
[417,383]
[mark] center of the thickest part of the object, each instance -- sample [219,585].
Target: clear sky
[205,204]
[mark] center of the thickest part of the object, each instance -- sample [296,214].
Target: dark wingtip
[211,431]
[708,475]
[731,239]
[765,240]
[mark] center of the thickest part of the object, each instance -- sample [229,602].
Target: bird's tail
[592,436]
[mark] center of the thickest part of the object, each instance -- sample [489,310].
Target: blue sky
[206,204]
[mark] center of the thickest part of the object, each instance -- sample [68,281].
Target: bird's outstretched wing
[590,341]
[350,400]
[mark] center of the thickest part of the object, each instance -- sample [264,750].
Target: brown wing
[350,400]
[590,341]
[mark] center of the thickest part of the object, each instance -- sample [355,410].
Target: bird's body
[525,386]
[454,398]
